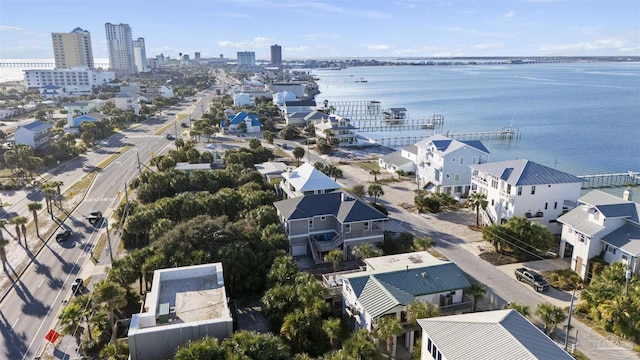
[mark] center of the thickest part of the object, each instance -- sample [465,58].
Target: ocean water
[577,118]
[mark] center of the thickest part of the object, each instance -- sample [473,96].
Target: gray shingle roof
[524,172]
[578,219]
[412,148]
[496,335]
[396,158]
[345,210]
[626,237]
[612,206]
[37,126]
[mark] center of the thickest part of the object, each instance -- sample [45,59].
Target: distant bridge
[42,64]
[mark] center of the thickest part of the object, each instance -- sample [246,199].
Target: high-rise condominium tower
[140,55]
[72,49]
[120,46]
[276,54]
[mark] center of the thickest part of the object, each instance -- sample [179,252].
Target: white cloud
[510,14]
[406,4]
[419,50]
[11,28]
[379,47]
[231,15]
[257,43]
[319,9]
[494,46]
[462,30]
[597,47]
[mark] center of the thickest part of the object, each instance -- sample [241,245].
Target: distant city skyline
[334,29]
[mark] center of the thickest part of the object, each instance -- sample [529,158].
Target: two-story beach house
[443,164]
[321,222]
[404,159]
[251,122]
[306,180]
[392,282]
[500,334]
[336,127]
[525,188]
[601,223]
[37,134]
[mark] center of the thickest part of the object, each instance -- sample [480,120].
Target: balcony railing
[480,180]
[363,234]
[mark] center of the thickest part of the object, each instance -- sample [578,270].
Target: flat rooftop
[194,299]
[414,259]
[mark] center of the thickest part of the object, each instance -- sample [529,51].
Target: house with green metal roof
[601,223]
[373,294]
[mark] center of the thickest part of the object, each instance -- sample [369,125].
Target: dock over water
[594,181]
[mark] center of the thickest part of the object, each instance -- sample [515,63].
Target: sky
[333,28]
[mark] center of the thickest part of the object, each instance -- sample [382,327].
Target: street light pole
[566,337]
[109,240]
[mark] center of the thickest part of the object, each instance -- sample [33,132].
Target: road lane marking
[41,282]
[14,324]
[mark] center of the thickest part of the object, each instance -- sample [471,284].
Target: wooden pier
[504,133]
[407,124]
[595,181]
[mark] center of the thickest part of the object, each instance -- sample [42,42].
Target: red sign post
[52,336]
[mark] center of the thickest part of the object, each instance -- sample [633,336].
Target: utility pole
[109,240]
[139,168]
[566,337]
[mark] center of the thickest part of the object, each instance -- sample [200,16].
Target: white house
[337,127]
[525,188]
[126,101]
[241,99]
[250,120]
[404,159]
[601,223]
[78,108]
[373,294]
[443,164]
[280,97]
[79,80]
[185,304]
[306,180]
[305,106]
[36,134]
[498,335]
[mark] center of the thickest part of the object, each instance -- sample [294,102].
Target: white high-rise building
[79,80]
[72,49]
[120,46]
[246,59]
[140,55]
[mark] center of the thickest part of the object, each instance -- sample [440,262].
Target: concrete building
[246,59]
[524,188]
[140,55]
[79,80]
[185,304]
[120,47]
[72,49]
[601,224]
[276,54]
[197,55]
[500,334]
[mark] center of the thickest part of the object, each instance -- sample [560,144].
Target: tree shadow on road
[15,342]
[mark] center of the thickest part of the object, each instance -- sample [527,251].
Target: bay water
[581,118]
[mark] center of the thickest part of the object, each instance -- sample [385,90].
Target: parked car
[184,125]
[63,235]
[532,278]
[77,286]
[94,216]
[170,137]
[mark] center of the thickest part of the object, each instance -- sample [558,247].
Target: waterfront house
[280,97]
[305,106]
[37,134]
[336,127]
[525,188]
[185,304]
[499,334]
[404,159]
[319,223]
[397,281]
[601,224]
[306,180]
[250,120]
[443,164]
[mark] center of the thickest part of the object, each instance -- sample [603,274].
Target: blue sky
[332,29]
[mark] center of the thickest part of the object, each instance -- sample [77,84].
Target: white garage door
[298,249]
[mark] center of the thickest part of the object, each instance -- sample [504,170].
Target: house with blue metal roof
[525,188]
[250,120]
[388,290]
[601,223]
[37,134]
[75,122]
[443,164]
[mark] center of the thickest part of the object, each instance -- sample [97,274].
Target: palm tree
[3,252]
[113,296]
[551,316]
[57,185]
[477,201]
[49,195]
[422,243]
[19,221]
[85,301]
[333,171]
[387,328]
[298,153]
[34,207]
[421,310]
[331,327]
[523,309]
[375,173]
[477,291]
[375,191]
[334,256]
[70,319]
[366,250]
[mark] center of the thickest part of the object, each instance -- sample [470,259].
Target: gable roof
[242,116]
[339,204]
[308,178]
[270,167]
[578,219]
[315,115]
[396,158]
[500,334]
[611,206]
[523,172]
[626,237]
[380,291]
[446,145]
[37,126]
[84,118]
[411,148]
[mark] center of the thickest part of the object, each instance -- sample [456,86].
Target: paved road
[31,307]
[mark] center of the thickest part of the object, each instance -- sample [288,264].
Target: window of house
[429,344]
[611,249]
[453,159]
[439,355]
[458,189]
[456,177]
[555,205]
[596,215]
[434,351]
[506,205]
[323,218]
[582,238]
[310,223]
[508,188]
[448,176]
[625,257]
[474,160]
[546,205]
[461,161]
[347,227]
[366,226]
[533,190]
[494,183]
[492,202]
